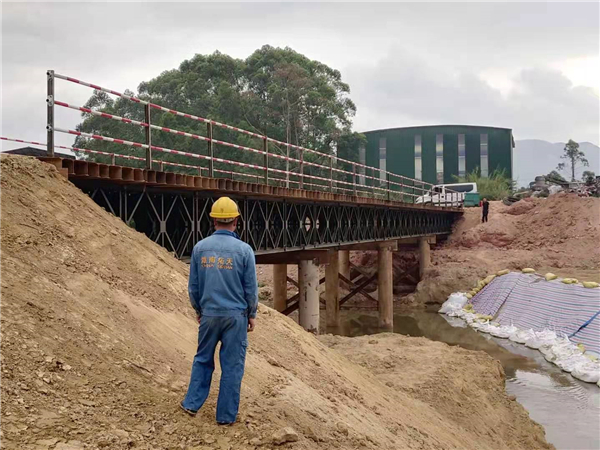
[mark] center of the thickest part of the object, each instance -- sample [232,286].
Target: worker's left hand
[251,324]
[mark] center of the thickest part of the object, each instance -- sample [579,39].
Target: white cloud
[404,90]
[408,63]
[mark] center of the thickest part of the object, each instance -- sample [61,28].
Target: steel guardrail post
[331,173]
[148,137]
[287,166]
[211,164]
[301,169]
[387,177]
[266,163]
[50,114]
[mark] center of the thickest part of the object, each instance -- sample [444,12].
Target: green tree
[555,177]
[588,177]
[573,156]
[275,91]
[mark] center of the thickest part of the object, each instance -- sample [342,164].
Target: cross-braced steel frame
[177,219]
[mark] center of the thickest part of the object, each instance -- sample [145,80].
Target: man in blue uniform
[223,291]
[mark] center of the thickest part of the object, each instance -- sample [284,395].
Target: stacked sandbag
[511,305]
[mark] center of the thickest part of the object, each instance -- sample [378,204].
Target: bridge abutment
[308,283]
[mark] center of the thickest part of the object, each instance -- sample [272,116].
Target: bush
[495,187]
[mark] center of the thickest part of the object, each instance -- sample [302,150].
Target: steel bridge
[283,226]
[300,210]
[173,210]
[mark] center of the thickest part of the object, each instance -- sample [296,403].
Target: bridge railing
[263,159]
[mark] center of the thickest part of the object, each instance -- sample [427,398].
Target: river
[568,409]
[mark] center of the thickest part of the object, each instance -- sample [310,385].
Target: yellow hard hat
[224,210]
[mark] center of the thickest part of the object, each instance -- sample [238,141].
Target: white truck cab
[447,194]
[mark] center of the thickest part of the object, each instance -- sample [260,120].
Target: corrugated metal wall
[400,149]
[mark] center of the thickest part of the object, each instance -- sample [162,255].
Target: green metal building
[438,153]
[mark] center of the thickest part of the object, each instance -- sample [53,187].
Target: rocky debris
[284,435]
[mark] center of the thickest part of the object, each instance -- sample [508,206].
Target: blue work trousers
[233,333]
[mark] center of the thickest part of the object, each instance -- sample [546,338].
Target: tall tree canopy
[275,91]
[573,156]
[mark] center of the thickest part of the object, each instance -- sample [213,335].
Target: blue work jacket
[223,276]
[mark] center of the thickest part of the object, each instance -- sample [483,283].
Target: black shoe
[187,411]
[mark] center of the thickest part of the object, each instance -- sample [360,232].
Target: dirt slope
[558,234]
[441,381]
[97,339]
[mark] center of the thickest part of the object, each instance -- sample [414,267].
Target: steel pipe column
[332,292]
[279,286]
[345,263]
[308,281]
[424,255]
[385,280]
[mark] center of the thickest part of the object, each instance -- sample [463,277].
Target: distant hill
[533,157]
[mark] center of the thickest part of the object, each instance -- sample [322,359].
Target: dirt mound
[558,234]
[535,223]
[98,336]
[522,206]
[440,382]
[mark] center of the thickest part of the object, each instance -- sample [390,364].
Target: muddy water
[568,409]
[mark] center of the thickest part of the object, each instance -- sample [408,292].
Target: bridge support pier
[385,279]
[280,287]
[424,256]
[308,281]
[345,263]
[332,291]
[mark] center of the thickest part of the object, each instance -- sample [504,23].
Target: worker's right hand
[251,324]
[198,318]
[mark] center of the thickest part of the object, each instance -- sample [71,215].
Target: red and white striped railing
[386,184]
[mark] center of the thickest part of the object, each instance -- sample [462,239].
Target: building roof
[436,126]
[442,126]
[31,151]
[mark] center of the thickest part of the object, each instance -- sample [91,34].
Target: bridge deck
[172,209]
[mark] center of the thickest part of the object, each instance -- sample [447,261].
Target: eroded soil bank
[558,234]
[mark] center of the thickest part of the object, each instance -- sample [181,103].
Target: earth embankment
[98,337]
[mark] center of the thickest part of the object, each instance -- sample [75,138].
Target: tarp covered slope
[528,301]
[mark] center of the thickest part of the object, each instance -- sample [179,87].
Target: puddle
[568,409]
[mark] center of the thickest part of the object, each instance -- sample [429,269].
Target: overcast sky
[533,67]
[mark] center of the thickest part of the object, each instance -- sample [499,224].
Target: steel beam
[282,229]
